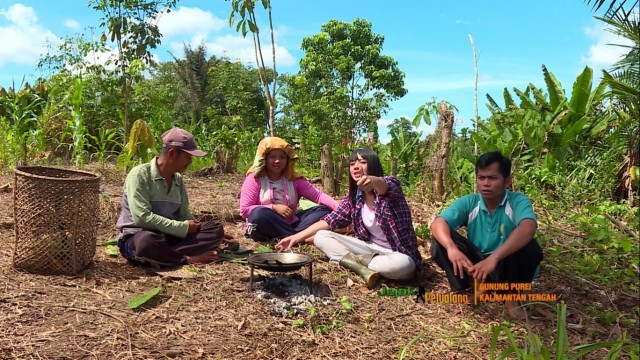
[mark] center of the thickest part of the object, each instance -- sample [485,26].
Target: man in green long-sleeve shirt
[155,223]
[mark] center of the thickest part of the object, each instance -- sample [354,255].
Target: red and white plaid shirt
[393,214]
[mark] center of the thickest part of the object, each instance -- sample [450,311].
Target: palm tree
[194,78]
[614,5]
[626,24]
[623,80]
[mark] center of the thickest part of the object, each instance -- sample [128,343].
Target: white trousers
[390,264]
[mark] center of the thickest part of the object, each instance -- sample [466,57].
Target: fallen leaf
[108,242]
[364,290]
[112,250]
[241,325]
[349,282]
[138,300]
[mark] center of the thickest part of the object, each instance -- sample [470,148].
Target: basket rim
[86,175]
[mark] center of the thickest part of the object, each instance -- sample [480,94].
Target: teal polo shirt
[488,231]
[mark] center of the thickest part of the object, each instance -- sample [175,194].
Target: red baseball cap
[181,139]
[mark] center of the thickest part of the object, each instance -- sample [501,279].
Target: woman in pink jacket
[271,192]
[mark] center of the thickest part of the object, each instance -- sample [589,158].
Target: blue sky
[428,39]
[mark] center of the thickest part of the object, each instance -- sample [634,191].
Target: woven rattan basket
[56,214]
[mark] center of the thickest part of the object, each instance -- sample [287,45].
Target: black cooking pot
[279,262]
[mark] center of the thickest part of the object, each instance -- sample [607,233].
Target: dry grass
[214,316]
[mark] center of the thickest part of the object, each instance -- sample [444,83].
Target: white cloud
[72,24]
[280,32]
[385,136]
[188,21]
[177,47]
[27,36]
[384,122]
[234,47]
[20,15]
[194,26]
[427,129]
[602,54]
[101,58]
[237,48]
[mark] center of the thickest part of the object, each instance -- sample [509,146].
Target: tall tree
[346,81]
[245,11]
[235,93]
[131,25]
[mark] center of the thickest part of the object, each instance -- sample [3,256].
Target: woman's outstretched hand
[286,243]
[366,183]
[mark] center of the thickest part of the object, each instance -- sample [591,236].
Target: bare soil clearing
[214,316]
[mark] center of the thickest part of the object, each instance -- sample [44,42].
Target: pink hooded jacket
[256,188]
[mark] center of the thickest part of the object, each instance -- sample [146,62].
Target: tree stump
[327,169]
[438,162]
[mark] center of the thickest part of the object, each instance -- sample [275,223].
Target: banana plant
[547,126]
[138,147]
[403,149]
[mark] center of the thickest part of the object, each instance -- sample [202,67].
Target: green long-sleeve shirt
[147,203]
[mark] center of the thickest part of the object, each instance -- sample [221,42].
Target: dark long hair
[374,168]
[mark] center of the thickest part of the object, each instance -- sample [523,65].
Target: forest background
[575,153]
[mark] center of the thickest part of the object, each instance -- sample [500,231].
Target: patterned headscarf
[273,143]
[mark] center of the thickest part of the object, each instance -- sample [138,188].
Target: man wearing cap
[155,223]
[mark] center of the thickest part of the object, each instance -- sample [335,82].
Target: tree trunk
[126,95]
[394,166]
[257,47]
[344,160]
[633,153]
[272,111]
[272,103]
[475,92]
[226,160]
[624,186]
[328,174]
[440,159]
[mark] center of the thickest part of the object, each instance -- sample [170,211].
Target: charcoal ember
[287,296]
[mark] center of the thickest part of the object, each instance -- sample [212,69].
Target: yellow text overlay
[447,298]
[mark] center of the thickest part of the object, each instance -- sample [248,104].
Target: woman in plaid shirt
[385,243]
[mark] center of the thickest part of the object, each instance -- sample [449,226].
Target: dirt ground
[214,316]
